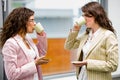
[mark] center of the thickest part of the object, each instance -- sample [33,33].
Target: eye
[31,20]
[87,15]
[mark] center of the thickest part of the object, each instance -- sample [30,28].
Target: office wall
[1,61]
[57,25]
[1,21]
[5,6]
[114,15]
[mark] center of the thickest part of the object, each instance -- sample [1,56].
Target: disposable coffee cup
[39,28]
[80,21]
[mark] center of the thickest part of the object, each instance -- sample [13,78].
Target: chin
[30,32]
[88,26]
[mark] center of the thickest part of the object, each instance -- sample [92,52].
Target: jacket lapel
[32,44]
[19,41]
[96,41]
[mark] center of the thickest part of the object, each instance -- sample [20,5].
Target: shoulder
[110,36]
[11,43]
[108,32]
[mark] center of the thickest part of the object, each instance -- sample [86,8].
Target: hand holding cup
[39,28]
[80,21]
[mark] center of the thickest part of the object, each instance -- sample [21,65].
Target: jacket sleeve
[72,42]
[42,44]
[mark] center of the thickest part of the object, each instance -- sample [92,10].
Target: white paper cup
[80,21]
[39,28]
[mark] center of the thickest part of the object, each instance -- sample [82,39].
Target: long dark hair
[14,23]
[97,11]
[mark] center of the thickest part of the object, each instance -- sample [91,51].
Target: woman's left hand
[79,63]
[41,60]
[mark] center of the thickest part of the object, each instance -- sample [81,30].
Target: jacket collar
[99,37]
[19,41]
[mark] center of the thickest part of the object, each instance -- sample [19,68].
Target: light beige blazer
[102,58]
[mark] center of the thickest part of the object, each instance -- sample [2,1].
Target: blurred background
[57,18]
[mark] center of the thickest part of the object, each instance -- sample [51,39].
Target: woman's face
[90,20]
[30,24]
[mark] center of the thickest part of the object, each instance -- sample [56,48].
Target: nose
[34,23]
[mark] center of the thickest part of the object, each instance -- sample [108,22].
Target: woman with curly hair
[22,58]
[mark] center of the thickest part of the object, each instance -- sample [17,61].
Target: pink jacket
[18,64]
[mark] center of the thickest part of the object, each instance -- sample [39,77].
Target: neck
[95,28]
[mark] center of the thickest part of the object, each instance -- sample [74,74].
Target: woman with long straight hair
[97,54]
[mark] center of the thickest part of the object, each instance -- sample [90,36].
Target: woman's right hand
[41,60]
[76,27]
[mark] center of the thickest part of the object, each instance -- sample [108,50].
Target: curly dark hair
[15,22]
[98,12]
